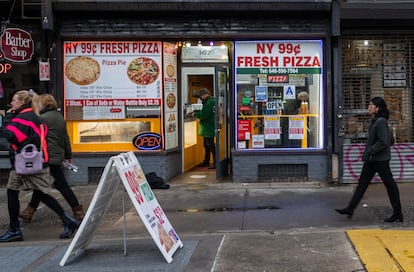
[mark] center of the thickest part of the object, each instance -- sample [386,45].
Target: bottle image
[304,106]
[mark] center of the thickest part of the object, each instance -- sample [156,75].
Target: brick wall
[245,168]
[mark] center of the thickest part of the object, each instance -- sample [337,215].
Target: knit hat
[203,91]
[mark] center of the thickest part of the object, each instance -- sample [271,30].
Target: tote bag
[29,161]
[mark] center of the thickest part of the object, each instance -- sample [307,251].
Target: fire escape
[38,10]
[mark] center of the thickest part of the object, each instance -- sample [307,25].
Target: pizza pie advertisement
[112,70]
[171,100]
[143,71]
[82,70]
[147,205]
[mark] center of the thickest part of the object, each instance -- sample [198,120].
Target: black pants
[14,205]
[209,148]
[368,171]
[61,185]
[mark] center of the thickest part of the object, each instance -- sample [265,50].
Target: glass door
[221,92]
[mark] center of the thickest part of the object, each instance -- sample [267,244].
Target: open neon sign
[147,141]
[5,67]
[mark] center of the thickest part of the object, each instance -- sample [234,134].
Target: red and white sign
[272,54]
[146,204]
[125,167]
[296,127]
[272,127]
[44,71]
[170,92]
[17,45]
[121,73]
[244,128]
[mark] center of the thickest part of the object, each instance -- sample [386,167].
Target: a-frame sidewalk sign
[125,168]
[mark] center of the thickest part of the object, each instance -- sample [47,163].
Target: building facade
[291,81]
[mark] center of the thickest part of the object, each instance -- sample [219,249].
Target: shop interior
[193,143]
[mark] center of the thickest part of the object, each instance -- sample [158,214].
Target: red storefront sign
[244,128]
[17,45]
[44,71]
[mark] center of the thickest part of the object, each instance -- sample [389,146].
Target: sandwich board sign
[125,168]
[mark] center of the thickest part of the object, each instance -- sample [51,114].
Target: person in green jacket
[207,126]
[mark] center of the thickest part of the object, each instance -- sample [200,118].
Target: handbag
[30,160]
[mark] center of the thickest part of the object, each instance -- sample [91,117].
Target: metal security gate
[377,65]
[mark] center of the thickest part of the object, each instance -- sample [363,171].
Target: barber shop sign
[17,45]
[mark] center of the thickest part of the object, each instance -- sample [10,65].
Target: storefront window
[279,87]
[377,66]
[115,90]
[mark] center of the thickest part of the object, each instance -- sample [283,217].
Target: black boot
[12,235]
[347,211]
[395,218]
[70,224]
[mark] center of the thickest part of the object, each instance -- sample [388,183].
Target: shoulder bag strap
[43,144]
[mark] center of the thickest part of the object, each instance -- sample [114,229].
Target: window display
[279,94]
[109,135]
[114,90]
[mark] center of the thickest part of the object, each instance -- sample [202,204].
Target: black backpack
[155,181]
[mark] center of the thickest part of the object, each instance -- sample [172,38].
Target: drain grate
[283,172]
[94,174]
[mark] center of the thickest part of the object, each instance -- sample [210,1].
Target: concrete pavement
[224,227]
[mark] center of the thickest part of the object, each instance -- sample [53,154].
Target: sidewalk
[223,226]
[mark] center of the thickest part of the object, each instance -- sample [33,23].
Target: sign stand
[125,167]
[124,221]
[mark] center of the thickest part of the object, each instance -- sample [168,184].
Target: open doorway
[194,79]
[214,79]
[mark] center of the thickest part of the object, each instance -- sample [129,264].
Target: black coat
[23,127]
[57,138]
[379,141]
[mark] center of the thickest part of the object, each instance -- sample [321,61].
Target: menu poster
[296,127]
[103,77]
[170,95]
[147,205]
[272,127]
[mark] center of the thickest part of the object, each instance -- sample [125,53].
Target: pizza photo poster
[102,78]
[146,204]
[170,96]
